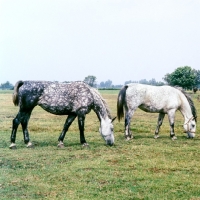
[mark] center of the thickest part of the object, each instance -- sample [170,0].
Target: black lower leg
[81,123]
[24,122]
[16,123]
[26,134]
[67,124]
[172,134]
[127,120]
[159,124]
[128,133]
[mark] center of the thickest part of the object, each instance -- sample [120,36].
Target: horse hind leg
[22,117]
[16,122]
[24,123]
[160,121]
[128,134]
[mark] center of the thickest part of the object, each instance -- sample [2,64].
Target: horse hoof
[60,146]
[85,145]
[156,136]
[190,137]
[128,138]
[30,146]
[13,147]
[174,138]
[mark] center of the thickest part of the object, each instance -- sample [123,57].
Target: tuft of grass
[142,168]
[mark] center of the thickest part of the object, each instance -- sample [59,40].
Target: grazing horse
[156,99]
[75,99]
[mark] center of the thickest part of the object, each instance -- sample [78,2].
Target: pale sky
[120,40]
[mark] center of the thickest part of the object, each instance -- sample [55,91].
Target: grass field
[142,168]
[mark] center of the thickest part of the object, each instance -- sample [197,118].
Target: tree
[106,84]
[153,81]
[197,79]
[6,85]
[183,76]
[90,80]
[144,81]
[127,82]
[102,85]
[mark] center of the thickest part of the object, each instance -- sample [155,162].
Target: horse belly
[152,109]
[54,105]
[56,109]
[64,106]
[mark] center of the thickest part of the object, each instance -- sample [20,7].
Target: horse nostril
[109,142]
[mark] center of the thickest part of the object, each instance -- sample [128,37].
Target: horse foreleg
[81,123]
[160,121]
[67,124]
[128,134]
[171,116]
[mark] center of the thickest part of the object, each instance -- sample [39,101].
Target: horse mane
[190,101]
[104,102]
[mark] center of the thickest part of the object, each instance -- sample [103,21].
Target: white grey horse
[157,99]
[75,99]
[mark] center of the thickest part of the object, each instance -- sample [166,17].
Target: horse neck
[100,108]
[185,108]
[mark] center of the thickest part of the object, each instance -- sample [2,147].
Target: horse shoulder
[173,99]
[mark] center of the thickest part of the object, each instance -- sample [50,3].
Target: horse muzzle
[109,140]
[190,135]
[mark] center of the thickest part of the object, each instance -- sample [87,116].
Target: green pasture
[142,168]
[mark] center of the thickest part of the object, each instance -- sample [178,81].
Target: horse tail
[15,93]
[121,102]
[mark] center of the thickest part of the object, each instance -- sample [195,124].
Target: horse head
[190,127]
[106,130]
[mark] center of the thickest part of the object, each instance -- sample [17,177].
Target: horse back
[54,97]
[66,98]
[152,98]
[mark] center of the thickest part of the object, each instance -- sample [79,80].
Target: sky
[117,40]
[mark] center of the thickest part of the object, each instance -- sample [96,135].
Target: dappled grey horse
[75,99]
[157,99]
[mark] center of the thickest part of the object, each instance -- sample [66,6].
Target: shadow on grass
[150,137]
[67,144]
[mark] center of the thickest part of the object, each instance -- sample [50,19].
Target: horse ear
[113,119]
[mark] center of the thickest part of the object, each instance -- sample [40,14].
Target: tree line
[184,77]
[7,86]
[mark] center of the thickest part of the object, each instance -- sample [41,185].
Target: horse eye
[111,129]
[193,125]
